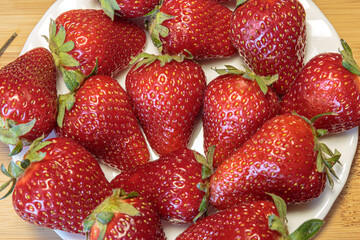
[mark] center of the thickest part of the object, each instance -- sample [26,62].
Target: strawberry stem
[7,43]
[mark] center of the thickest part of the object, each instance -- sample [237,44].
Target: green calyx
[16,169]
[105,212]
[156,28]
[206,172]
[59,49]
[278,223]
[109,7]
[262,81]
[145,59]
[348,59]
[10,133]
[240,2]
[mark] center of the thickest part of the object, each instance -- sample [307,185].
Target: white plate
[322,37]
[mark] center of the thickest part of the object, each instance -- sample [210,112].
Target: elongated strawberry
[201,27]
[265,220]
[236,104]
[173,183]
[167,94]
[124,216]
[56,185]
[103,121]
[81,38]
[270,35]
[128,8]
[283,157]
[329,82]
[28,99]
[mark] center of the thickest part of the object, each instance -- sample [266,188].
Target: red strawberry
[124,216]
[128,8]
[57,184]
[283,157]
[270,36]
[202,27]
[28,99]
[103,121]
[263,220]
[167,95]
[329,82]
[86,36]
[235,106]
[172,183]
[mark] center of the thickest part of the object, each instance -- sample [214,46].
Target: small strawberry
[80,39]
[124,216]
[128,8]
[103,121]
[56,185]
[167,94]
[270,36]
[174,183]
[28,99]
[283,157]
[264,220]
[202,27]
[236,104]
[329,82]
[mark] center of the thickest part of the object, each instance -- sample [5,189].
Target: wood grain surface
[342,222]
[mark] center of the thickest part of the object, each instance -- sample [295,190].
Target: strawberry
[270,35]
[82,39]
[56,185]
[329,82]
[128,8]
[236,104]
[124,216]
[167,94]
[264,220]
[201,27]
[283,157]
[173,183]
[28,99]
[103,121]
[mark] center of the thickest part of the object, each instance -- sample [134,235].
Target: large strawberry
[81,38]
[124,216]
[167,94]
[329,82]
[103,121]
[265,220]
[236,104]
[28,99]
[283,157]
[270,36]
[128,8]
[201,27]
[174,183]
[56,185]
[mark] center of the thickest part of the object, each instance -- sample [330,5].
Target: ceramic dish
[321,38]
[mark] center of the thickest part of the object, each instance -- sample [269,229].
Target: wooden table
[342,222]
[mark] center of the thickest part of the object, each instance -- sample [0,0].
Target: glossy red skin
[169,182]
[146,225]
[134,9]
[270,36]
[202,27]
[103,121]
[167,100]
[28,91]
[234,108]
[96,36]
[279,158]
[323,86]
[244,221]
[61,190]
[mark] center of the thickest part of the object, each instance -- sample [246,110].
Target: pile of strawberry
[262,122]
